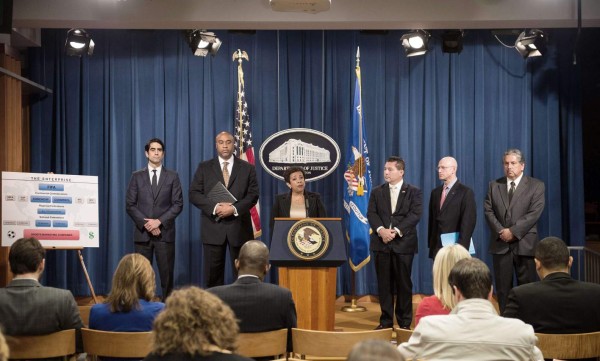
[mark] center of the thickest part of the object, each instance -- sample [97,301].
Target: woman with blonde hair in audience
[442,301]
[195,325]
[129,306]
[4,354]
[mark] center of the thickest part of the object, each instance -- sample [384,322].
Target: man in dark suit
[512,208]
[558,303]
[154,200]
[224,223]
[27,307]
[394,211]
[259,306]
[451,208]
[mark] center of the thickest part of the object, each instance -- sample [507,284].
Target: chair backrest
[569,346]
[263,344]
[84,312]
[332,344]
[402,335]
[57,344]
[116,344]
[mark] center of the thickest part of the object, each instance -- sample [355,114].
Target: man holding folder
[451,208]
[225,207]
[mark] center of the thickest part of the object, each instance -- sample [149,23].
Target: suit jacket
[28,308]
[471,332]
[283,202]
[405,217]
[259,306]
[165,205]
[458,214]
[242,185]
[556,304]
[520,217]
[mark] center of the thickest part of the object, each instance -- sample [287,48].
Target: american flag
[243,141]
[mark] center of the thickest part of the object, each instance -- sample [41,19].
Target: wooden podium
[312,282]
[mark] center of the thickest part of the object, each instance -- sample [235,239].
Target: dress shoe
[381,327]
[405,327]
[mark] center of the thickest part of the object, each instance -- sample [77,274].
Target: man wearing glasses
[452,210]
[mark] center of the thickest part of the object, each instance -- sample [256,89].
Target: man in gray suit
[154,200]
[249,297]
[27,307]
[512,208]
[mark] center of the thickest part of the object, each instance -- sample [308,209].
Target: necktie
[444,194]
[511,191]
[154,182]
[225,173]
[394,197]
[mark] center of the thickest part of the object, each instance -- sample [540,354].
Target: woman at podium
[298,202]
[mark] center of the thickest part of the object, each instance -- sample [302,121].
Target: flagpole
[354,307]
[240,56]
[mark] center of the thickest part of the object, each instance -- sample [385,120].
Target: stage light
[415,42]
[452,41]
[78,43]
[531,44]
[203,42]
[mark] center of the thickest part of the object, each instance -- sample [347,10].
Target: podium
[311,278]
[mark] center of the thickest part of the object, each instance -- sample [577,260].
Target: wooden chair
[84,312]
[402,335]
[569,346]
[263,344]
[333,345]
[57,344]
[116,344]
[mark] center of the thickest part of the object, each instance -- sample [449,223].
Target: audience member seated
[27,307]
[442,301]
[473,330]
[259,306]
[195,325]
[129,306]
[558,303]
[374,350]
[4,354]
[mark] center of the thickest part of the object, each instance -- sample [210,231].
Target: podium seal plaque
[308,239]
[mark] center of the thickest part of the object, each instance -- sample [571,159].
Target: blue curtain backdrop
[141,84]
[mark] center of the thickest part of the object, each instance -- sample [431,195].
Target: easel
[85,272]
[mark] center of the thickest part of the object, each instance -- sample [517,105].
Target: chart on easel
[60,210]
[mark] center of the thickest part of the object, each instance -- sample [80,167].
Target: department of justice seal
[308,239]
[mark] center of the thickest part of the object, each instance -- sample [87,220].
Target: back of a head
[194,322]
[552,253]
[133,280]
[472,277]
[25,256]
[374,350]
[253,258]
[445,259]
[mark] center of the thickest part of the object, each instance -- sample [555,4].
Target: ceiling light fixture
[452,41]
[415,42]
[79,43]
[531,44]
[203,42]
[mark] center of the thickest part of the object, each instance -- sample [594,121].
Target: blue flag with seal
[358,181]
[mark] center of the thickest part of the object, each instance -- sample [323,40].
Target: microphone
[306,203]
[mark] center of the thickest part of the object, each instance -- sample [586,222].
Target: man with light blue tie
[394,211]
[154,200]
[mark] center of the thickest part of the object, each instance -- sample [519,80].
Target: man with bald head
[224,224]
[451,208]
[249,297]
